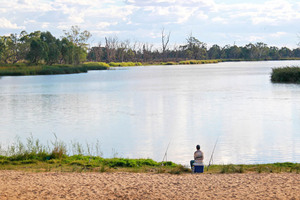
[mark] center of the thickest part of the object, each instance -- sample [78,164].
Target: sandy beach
[25,185]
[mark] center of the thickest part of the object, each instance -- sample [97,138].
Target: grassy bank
[56,157]
[286,75]
[21,69]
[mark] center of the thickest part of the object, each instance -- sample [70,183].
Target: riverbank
[33,156]
[22,69]
[80,163]
[122,185]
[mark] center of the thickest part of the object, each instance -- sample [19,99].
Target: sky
[222,22]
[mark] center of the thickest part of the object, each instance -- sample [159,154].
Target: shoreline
[21,69]
[123,185]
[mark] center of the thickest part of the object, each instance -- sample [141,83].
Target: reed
[286,75]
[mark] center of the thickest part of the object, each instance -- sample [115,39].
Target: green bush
[192,62]
[124,64]
[169,63]
[95,65]
[286,75]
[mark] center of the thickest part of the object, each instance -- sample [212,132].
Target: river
[137,112]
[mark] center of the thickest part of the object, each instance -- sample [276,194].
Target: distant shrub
[96,65]
[169,63]
[124,64]
[192,62]
[286,75]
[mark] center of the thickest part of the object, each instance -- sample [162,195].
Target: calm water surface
[136,112]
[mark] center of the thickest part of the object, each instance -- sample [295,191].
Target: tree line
[122,51]
[42,47]
[72,48]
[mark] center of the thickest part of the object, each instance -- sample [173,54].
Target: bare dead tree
[176,51]
[165,38]
[98,52]
[111,44]
[147,50]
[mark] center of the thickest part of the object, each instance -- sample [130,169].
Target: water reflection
[138,111]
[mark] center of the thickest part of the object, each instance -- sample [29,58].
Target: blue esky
[274,22]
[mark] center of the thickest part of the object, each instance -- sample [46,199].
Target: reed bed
[41,70]
[286,75]
[22,69]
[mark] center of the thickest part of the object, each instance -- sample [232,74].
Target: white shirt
[198,157]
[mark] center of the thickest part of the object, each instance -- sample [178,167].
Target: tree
[53,51]
[79,39]
[214,52]
[9,48]
[262,50]
[165,38]
[274,52]
[250,51]
[38,51]
[111,44]
[194,49]
[296,53]
[66,50]
[285,52]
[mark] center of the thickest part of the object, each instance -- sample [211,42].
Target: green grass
[191,62]
[256,168]
[95,65]
[169,63]
[286,75]
[34,156]
[124,64]
[21,69]
[40,70]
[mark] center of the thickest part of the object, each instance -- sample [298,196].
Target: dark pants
[192,163]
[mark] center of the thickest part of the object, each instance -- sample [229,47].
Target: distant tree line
[122,51]
[43,48]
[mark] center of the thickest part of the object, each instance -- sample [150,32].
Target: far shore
[23,69]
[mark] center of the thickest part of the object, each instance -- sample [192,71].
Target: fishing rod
[212,154]
[165,156]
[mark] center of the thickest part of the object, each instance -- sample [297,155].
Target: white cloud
[255,38]
[246,21]
[270,12]
[6,24]
[278,34]
[45,25]
[219,20]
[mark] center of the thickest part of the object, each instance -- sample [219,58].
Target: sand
[121,185]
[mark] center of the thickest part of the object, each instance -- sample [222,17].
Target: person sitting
[198,158]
